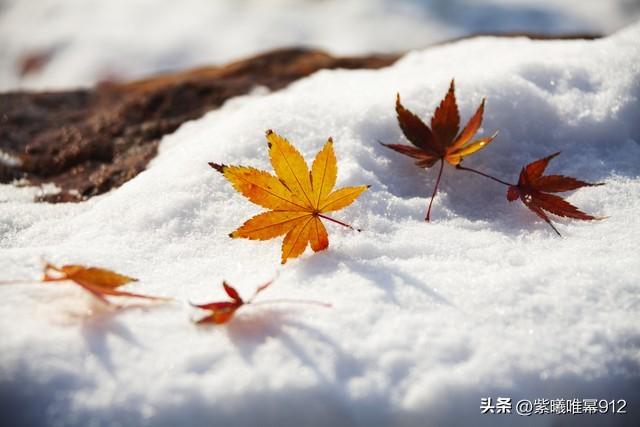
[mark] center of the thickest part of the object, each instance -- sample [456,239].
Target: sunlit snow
[427,318]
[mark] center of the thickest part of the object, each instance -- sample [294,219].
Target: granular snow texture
[427,318]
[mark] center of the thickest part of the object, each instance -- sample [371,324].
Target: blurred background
[47,44]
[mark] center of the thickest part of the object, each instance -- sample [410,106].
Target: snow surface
[426,318]
[92,40]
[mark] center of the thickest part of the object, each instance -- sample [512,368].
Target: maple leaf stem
[435,190]
[28,282]
[339,222]
[460,167]
[16,282]
[553,228]
[294,301]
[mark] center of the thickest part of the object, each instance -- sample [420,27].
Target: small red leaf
[533,189]
[223,311]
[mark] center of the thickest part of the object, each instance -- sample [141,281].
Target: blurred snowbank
[79,42]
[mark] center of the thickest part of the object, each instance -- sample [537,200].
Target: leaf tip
[556,154]
[231,291]
[206,320]
[268,134]
[217,166]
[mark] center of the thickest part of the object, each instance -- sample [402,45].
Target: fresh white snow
[426,318]
[92,40]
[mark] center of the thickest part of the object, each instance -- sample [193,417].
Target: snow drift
[81,42]
[426,318]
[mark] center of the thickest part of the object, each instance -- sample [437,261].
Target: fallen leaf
[98,281]
[441,142]
[533,189]
[297,198]
[222,311]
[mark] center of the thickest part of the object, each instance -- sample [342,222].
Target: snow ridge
[426,318]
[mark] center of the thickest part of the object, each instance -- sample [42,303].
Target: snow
[87,41]
[485,301]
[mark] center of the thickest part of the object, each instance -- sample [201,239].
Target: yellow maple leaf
[297,198]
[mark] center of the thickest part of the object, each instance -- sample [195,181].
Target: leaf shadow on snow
[251,331]
[96,330]
[386,276]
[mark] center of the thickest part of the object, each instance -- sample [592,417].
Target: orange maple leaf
[441,142]
[99,282]
[297,198]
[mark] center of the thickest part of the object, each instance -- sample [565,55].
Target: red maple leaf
[443,141]
[222,311]
[534,190]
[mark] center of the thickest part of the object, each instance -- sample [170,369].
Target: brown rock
[89,141]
